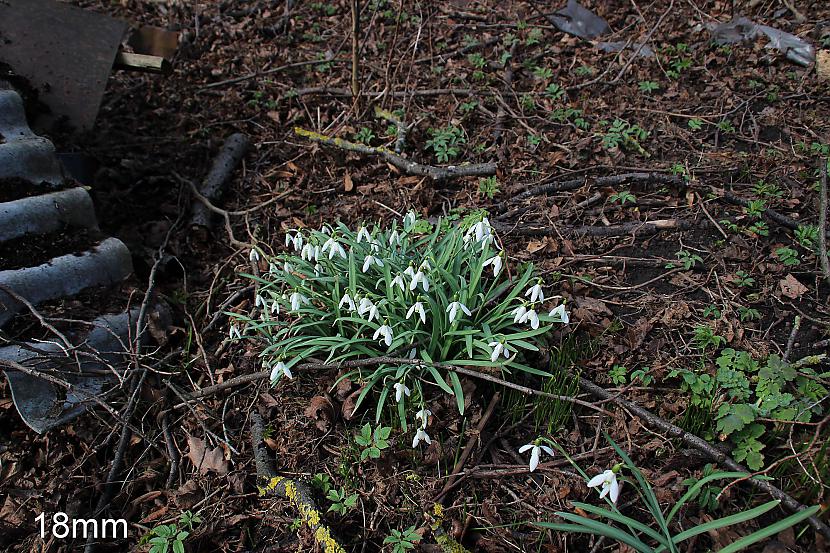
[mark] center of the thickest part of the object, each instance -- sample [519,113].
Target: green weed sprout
[437,294]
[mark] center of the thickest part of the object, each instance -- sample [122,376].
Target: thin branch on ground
[405,165]
[822,223]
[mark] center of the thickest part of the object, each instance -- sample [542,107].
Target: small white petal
[596,480]
[534,458]
[525,448]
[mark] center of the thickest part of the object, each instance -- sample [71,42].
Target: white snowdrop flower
[398,281]
[297,300]
[409,220]
[318,253]
[363,234]
[497,263]
[347,300]
[559,311]
[295,241]
[386,332]
[419,277]
[275,307]
[234,333]
[453,309]
[288,239]
[287,267]
[532,317]
[418,308]
[366,306]
[307,253]
[535,293]
[279,370]
[394,238]
[410,271]
[498,348]
[423,415]
[254,255]
[412,353]
[273,269]
[375,246]
[607,481]
[318,269]
[260,301]
[535,453]
[400,391]
[325,229]
[334,248]
[420,436]
[370,260]
[519,313]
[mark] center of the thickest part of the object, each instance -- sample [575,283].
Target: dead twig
[405,165]
[822,223]
[638,228]
[400,127]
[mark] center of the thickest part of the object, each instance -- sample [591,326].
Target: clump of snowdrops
[436,294]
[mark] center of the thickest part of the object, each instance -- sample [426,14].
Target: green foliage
[657,534]
[322,482]
[705,337]
[543,73]
[569,114]
[695,124]
[726,126]
[756,208]
[534,139]
[477,60]
[372,442]
[748,314]
[584,71]
[807,237]
[171,537]
[787,256]
[364,135]
[341,502]
[647,87]
[622,197]
[488,186]
[744,280]
[534,36]
[619,375]
[746,391]
[403,541]
[528,102]
[623,134]
[467,107]
[554,91]
[706,494]
[446,142]
[767,189]
[688,259]
[436,293]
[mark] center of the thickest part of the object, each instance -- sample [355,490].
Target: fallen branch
[217,178]
[625,229]
[612,180]
[822,223]
[400,127]
[701,445]
[771,214]
[263,375]
[297,493]
[405,165]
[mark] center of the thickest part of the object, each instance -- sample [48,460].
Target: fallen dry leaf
[321,410]
[791,288]
[206,459]
[348,185]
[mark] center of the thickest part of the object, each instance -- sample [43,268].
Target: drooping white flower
[363,234]
[334,248]
[394,238]
[532,317]
[297,300]
[559,311]
[318,253]
[234,333]
[418,308]
[535,293]
[279,370]
[386,332]
[424,414]
[409,220]
[275,307]
[296,241]
[419,277]
[400,391]
[420,435]
[497,263]
[347,300]
[536,451]
[453,309]
[398,280]
[371,260]
[318,270]
[519,313]
[287,267]
[498,349]
[260,301]
[272,268]
[254,255]
[375,246]
[307,253]
[607,480]
[366,306]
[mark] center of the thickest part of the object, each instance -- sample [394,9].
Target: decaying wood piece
[142,62]
[405,165]
[636,228]
[234,148]
[296,492]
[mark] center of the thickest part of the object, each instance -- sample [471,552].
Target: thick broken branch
[297,493]
[405,165]
[612,180]
[625,229]
[217,178]
[822,223]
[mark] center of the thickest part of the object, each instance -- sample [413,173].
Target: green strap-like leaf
[621,518]
[726,521]
[599,529]
[770,530]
